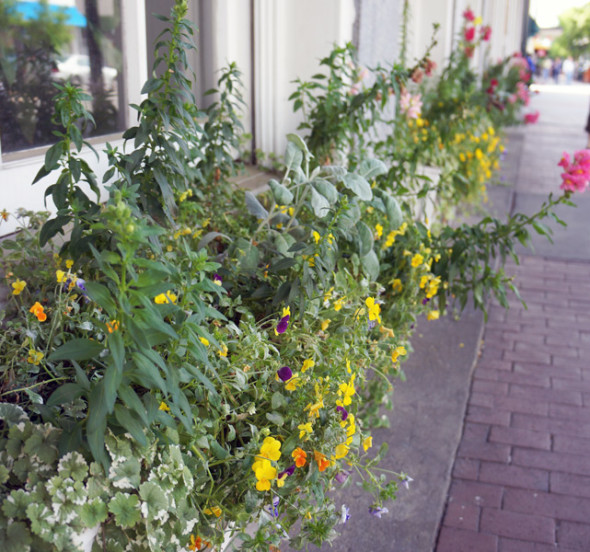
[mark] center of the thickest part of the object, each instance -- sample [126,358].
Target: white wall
[291,37]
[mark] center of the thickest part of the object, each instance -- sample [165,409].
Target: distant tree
[575,38]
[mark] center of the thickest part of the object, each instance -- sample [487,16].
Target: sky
[546,12]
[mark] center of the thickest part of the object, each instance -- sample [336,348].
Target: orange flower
[37,310]
[300,457]
[113,326]
[197,543]
[322,461]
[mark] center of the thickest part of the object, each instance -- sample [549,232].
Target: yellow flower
[325,324]
[341,451]
[368,443]
[433,315]
[215,510]
[18,286]
[307,364]
[374,309]
[378,231]
[265,473]
[399,351]
[164,407]
[387,331]
[417,260]
[35,357]
[478,20]
[304,430]
[69,263]
[61,276]
[397,285]
[330,238]
[163,298]
[346,390]
[338,304]
[270,449]
[38,310]
[112,326]
[316,236]
[293,383]
[204,341]
[223,351]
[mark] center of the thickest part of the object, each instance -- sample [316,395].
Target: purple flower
[274,509]
[282,325]
[342,476]
[289,471]
[81,284]
[344,514]
[425,300]
[217,279]
[343,412]
[285,373]
[372,324]
[377,511]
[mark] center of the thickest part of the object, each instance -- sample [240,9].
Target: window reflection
[52,41]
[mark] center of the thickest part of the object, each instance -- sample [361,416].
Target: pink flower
[410,105]
[492,87]
[577,174]
[512,98]
[486,32]
[468,14]
[531,118]
[469,34]
[564,161]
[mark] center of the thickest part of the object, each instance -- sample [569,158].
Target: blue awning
[30,10]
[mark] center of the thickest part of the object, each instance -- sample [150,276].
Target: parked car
[76,69]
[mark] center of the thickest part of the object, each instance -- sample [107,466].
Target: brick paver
[521,479]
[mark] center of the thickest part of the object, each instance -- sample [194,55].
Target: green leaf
[278,400]
[217,449]
[275,418]
[320,205]
[358,186]
[94,512]
[296,140]
[394,212]
[12,414]
[327,189]
[131,422]
[366,239]
[255,207]
[125,508]
[53,155]
[372,168]
[293,157]
[370,265]
[101,295]
[65,393]
[78,348]
[282,194]
[155,499]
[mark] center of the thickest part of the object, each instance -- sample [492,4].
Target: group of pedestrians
[554,68]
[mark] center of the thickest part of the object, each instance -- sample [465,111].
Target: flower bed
[195,360]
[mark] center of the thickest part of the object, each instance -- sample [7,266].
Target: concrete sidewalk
[521,478]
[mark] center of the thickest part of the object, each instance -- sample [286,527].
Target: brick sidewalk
[521,479]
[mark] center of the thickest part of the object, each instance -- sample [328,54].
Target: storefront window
[53,41]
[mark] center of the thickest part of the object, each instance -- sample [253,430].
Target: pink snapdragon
[577,174]
[486,33]
[531,118]
[468,14]
[469,34]
[410,104]
[522,92]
